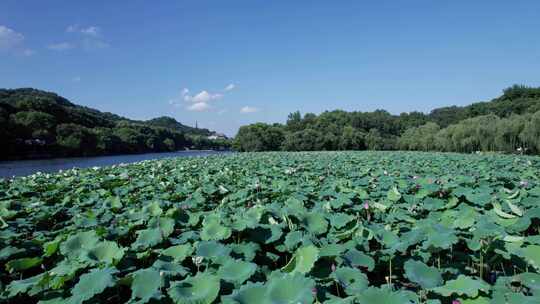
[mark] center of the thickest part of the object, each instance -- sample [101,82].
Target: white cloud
[202,96]
[248,109]
[72,28]
[199,107]
[61,46]
[9,38]
[12,41]
[91,37]
[76,79]
[94,44]
[201,101]
[28,52]
[230,87]
[90,30]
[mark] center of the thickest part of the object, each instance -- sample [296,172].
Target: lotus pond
[324,227]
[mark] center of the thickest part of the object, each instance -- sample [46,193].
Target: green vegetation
[332,227]
[504,124]
[34,123]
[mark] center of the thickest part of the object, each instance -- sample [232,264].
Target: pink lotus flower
[456,302]
[366,205]
[314,291]
[524,183]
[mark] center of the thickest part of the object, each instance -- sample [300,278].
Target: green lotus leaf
[352,280]
[91,284]
[357,258]
[247,250]
[77,246]
[115,203]
[531,254]
[252,216]
[292,239]
[480,300]
[23,264]
[106,252]
[147,238]
[236,271]
[289,288]
[315,223]
[331,250]
[9,251]
[214,230]
[393,195]
[203,288]
[146,285]
[247,294]
[213,251]
[164,224]
[420,273]
[22,286]
[340,220]
[480,199]
[340,201]
[440,237]
[303,260]
[331,299]
[463,285]
[64,271]
[531,280]
[153,209]
[179,252]
[169,268]
[465,218]
[381,296]
[265,234]
[50,248]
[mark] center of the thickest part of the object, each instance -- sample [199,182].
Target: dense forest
[35,123]
[505,124]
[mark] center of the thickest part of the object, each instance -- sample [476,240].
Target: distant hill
[35,123]
[171,123]
[515,100]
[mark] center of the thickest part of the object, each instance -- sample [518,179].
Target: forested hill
[35,123]
[506,123]
[171,123]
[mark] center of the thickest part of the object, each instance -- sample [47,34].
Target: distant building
[217,136]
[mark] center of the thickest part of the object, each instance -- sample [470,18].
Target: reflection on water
[27,167]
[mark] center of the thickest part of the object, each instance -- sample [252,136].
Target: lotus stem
[390,273]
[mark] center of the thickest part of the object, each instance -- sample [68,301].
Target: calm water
[27,167]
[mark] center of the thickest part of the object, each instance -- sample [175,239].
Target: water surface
[27,167]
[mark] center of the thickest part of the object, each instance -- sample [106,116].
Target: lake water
[27,167]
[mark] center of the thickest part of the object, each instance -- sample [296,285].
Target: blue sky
[229,63]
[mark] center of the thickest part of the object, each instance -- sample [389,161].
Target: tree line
[506,123]
[35,123]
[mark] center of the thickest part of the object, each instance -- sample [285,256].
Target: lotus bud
[366,205]
[415,177]
[197,260]
[385,172]
[314,291]
[333,267]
